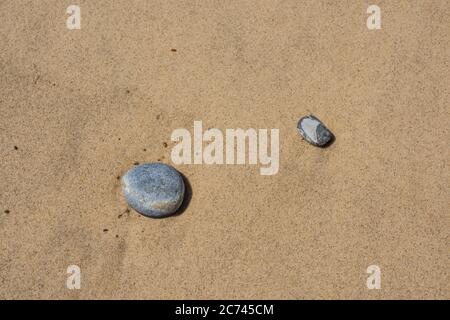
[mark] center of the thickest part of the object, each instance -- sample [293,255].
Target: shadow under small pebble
[329,143]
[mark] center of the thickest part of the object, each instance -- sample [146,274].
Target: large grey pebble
[154,189]
[314,131]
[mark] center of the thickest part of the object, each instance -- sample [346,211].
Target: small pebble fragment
[154,189]
[314,131]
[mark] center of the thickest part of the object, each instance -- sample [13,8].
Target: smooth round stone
[153,189]
[314,131]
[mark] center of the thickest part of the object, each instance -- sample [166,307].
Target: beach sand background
[80,107]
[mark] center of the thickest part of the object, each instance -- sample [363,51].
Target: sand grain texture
[81,106]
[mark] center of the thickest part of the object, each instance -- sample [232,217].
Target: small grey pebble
[314,131]
[153,189]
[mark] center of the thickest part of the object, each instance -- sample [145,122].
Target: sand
[80,107]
